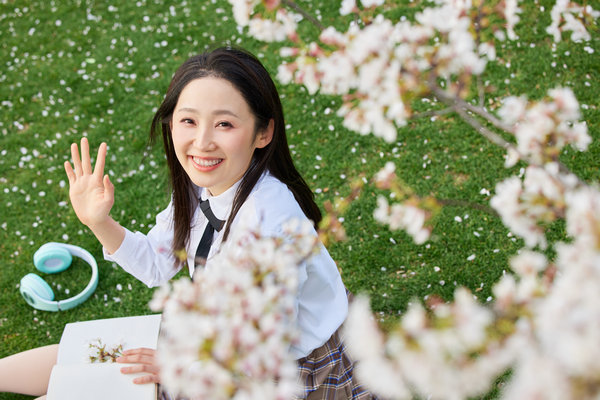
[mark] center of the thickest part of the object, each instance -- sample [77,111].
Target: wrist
[109,233]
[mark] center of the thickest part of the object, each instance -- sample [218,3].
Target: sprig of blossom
[283,26]
[227,333]
[511,11]
[411,213]
[100,352]
[242,9]
[544,128]
[410,218]
[527,206]
[569,16]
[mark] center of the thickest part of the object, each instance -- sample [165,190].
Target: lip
[208,160]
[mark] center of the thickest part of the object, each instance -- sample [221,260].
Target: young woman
[223,132]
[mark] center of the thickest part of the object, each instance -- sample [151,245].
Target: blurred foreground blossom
[227,333]
[570,16]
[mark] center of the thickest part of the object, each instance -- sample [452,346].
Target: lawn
[96,69]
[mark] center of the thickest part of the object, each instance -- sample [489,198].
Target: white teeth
[206,163]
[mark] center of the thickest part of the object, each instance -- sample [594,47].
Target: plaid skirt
[327,373]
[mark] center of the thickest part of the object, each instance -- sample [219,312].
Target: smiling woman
[224,136]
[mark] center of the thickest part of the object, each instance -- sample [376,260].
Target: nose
[203,138]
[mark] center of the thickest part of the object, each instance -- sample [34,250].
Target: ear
[264,138]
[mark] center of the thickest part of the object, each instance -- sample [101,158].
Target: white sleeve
[148,257]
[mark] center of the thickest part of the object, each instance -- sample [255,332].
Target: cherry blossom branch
[486,115]
[462,108]
[432,113]
[465,203]
[459,106]
[453,101]
[304,13]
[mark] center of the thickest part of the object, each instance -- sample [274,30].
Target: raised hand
[92,195]
[144,360]
[91,192]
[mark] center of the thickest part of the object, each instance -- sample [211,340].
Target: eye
[224,124]
[187,121]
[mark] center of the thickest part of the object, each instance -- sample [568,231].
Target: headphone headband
[51,258]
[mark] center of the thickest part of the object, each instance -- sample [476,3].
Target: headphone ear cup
[52,258]
[33,286]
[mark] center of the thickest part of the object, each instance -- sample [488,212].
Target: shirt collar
[221,204]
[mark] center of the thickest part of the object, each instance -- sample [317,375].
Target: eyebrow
[215,112]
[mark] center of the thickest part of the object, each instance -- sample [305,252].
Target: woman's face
[213,133]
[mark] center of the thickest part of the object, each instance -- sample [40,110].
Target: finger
[100,160]
[146,379]
[109,188]
[137,368]
[76,160]
[140,350]
[86,164]
[70,172]
[136,359]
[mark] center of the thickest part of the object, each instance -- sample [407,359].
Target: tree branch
[465,203]
[462,108]
[480,111]
[432,113]
[304,13]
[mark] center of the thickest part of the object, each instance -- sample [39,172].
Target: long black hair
[246,73]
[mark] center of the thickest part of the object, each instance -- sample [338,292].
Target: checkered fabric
[327,374]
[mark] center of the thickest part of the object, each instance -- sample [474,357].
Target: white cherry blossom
[227,333]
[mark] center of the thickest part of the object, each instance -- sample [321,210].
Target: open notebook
[74,377]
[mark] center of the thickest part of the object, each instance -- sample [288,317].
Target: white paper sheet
[75,378]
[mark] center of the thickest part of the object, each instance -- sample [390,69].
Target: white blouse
[321,302]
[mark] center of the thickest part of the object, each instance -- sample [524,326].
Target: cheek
[244,150]
[178,138]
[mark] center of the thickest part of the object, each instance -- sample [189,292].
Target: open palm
[91,192]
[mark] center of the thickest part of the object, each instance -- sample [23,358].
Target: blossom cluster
[227,333]
[544,128]
[100,352]
[569,16]
[282,27]
[527,206]
[409,215]
[379,66]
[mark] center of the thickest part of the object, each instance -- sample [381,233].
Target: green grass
[101,72]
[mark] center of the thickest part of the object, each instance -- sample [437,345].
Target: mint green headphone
[52,258]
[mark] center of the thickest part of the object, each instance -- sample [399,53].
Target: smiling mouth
[204,163]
